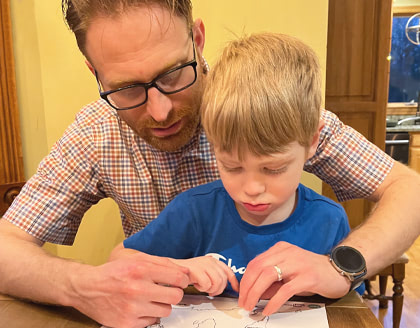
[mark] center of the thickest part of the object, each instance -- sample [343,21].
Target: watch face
[348,259]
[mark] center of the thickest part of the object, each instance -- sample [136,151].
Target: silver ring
[279,273]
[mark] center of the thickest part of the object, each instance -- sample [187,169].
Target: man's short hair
[263,93]
[78,14]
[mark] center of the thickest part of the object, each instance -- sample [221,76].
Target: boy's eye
[275,171]
[231,169]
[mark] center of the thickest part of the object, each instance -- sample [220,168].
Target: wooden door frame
[11,158]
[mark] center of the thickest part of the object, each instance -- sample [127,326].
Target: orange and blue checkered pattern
[99,156]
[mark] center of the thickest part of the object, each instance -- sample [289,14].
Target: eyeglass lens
[170,82]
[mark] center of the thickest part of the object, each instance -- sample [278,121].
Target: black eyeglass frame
[152,84]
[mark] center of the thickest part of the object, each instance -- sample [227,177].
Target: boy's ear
[315,140]
[89,65]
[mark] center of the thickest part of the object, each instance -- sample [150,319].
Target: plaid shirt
[99,156]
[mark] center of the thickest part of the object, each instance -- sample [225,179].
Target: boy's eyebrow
[267,161]
[277,161]
[229,161]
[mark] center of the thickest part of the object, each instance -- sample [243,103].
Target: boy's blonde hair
[263,93]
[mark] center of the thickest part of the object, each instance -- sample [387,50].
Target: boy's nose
[158,105]
[254,187]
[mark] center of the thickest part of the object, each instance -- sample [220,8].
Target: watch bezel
[349,260]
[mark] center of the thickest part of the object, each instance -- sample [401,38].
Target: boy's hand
[303,272]
[209,275]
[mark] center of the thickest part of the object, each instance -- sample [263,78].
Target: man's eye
[129,93]
[171,78]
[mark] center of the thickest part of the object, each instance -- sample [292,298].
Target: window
[404,81]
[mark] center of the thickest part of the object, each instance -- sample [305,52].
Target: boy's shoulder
[202,197]
[207,189]
[315,198]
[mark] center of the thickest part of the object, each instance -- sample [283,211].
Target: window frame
[397,108]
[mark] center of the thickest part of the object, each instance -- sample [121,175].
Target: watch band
[357,281]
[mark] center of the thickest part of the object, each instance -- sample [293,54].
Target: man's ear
[89,65]
[199,35]
[315,140]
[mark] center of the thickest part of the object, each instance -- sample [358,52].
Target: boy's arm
[209,275]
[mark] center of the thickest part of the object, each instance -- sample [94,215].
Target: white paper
[197,311]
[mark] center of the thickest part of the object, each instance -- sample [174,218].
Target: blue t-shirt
[204,220]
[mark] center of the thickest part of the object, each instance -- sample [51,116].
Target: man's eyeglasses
[134,95]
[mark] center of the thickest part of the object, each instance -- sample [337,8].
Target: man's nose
[158,105]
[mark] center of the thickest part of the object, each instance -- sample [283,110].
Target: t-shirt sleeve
[172,234]
[343,228]
[347,161]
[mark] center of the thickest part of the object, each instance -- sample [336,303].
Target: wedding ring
[279,273]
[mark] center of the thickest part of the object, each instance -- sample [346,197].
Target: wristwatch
[349,262]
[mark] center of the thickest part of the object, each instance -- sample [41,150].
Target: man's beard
[189,113]
[190,116]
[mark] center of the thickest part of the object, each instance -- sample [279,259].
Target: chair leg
[368,287]
[383,303]
[398,296]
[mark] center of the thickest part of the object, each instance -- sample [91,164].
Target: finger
[203,283]
[247,282]
[162,294]
[231,277]
[161,274]
[218,279]
[284,293]
[159,260]
[272,290]
[273,256]
[145,321]
[252,274]
[265,280]
[157,310]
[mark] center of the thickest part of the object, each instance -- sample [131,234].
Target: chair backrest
[8,192]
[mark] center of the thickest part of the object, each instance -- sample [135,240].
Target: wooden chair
[8,192]
[397,271]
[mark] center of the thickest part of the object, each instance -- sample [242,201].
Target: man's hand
[132,291]
[303,272]
[209,275]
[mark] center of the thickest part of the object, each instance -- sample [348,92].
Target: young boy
[261,112]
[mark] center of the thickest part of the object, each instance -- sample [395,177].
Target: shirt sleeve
[347,161]
[52,203]
[172,234]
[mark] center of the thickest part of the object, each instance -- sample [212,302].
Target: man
[142,146]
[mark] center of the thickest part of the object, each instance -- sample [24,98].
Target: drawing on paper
[197,311]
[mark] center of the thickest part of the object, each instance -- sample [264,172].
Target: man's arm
[394,223]
[387,233]
[126,292]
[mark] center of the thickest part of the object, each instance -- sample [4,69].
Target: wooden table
[348,312]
